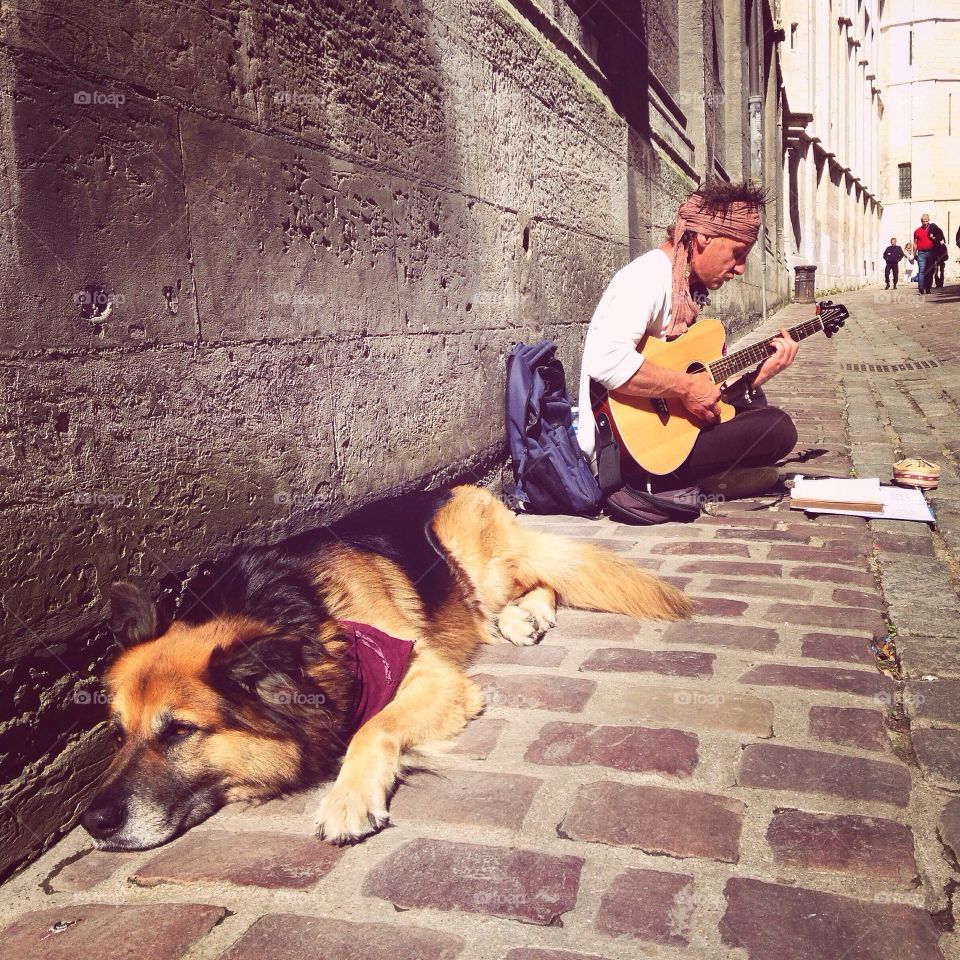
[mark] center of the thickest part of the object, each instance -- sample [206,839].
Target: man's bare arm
[696,391]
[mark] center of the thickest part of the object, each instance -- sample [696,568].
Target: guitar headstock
[832,315]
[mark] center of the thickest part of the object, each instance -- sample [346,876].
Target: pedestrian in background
[892,257]
[939,255]
[924,248]
[909,263]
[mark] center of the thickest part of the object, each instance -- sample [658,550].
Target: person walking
[892,257]
[924,247]
[910,263]
[939,255]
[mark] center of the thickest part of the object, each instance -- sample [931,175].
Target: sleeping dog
[349,642]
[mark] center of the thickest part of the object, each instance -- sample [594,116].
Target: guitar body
[659,434]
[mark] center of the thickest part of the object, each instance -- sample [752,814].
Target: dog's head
[228,707]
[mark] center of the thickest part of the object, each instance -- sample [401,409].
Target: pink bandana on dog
[378,662]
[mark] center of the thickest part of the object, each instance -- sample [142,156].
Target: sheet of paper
[899,503]
[837,489]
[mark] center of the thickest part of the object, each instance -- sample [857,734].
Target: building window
[906,181]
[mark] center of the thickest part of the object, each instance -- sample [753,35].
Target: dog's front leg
[433,703]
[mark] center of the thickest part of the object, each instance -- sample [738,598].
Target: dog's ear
[269,668]
[133,615]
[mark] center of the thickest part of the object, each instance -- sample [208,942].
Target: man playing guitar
[657,296]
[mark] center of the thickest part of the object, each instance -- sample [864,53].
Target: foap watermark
[99,498]
[698,698]
[91,698]
[292,697]
[495,697]
[493,899]
[290,498]
[712,99]
[296,98]
[95,303]
[909,698]
[897,297]
[296,298]
[98,98]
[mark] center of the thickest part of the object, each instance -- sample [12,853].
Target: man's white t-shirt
[635,304]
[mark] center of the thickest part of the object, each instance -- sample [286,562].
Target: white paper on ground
[899,503]
[837,489]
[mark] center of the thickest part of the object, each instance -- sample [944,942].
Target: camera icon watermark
[98,98]
[698,698]
[91,698]
[292,697]
[99,498]
[296,98]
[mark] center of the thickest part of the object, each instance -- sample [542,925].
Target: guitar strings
[724,368]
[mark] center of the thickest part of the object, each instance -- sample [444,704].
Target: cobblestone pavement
[746,785]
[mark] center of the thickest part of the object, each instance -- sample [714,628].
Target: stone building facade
[920,77]
[832,120]
[263,261]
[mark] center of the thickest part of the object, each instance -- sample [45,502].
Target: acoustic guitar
[659,433]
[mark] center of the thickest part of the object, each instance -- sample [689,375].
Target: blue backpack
[551,474]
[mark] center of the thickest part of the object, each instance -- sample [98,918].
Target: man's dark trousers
[893,268]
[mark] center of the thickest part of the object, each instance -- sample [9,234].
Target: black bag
[642,508]
[550,472]
[629,504]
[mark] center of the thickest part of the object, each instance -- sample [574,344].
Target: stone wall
[264,262]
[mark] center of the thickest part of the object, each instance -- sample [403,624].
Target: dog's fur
[247,695]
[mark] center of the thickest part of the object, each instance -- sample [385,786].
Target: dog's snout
[103,818]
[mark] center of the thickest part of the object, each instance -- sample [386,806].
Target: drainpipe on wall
[756,172]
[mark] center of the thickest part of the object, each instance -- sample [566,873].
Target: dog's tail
[592,578]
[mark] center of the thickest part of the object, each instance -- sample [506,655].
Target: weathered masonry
[263,261]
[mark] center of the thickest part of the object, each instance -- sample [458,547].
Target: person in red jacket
[923,244]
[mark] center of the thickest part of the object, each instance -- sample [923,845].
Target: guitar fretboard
[734,363]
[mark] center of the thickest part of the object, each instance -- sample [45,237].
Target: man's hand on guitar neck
[784,353]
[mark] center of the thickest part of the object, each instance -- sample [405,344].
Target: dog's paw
[346,816]
[518,626]
[542,608]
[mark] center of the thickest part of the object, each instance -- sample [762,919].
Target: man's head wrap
[737,220]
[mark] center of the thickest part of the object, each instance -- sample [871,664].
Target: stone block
[79,157]
[85,871]
[643,905]
[814,615]
[271,860]
[668,663]
[738,568]
[295,937]
[504,882]
[771,766]
[637,749]
[936,701]
[938,752]
[849,727]
[535,692]
[479,739]
[858,578]
[467,797]
[773,922]
[837,646]
[689,708]
[162,931]
[864,846]
[657,820]
[734,636]
[834,679]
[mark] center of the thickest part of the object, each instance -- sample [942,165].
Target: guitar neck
[735,363]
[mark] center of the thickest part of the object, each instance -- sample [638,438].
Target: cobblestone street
[744,785]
